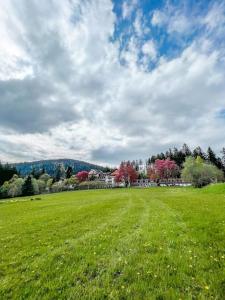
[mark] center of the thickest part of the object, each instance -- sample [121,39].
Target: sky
[105,81]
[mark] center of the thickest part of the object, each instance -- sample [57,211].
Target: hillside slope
[50,165]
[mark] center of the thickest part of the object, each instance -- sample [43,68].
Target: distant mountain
[25,168]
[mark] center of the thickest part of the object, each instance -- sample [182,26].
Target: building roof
[94,172]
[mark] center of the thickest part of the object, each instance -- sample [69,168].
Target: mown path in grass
[156,243]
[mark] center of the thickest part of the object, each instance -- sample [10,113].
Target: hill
[50,165]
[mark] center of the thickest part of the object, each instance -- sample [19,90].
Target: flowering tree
[126,173]
[166,168]
[163,169]
[82,176]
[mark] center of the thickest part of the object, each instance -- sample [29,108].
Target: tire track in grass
[114,218]
[138,257]
[176,274]
[111,263]
[85,269]
[142,275]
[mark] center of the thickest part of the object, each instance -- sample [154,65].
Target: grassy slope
[157,243]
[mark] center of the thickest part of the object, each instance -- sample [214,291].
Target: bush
[45,177]
[49,183]
[4,190]
[41,185]
[12,188]
[57,187]
[35,186]
[15,187]
[200,173]
[72,181]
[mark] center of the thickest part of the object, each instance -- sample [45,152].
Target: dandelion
[123,287]
[207,287]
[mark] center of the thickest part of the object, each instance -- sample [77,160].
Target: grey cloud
[113,155]
[42,40]
[136,149]
[11,150]
[39,103]
[26,106]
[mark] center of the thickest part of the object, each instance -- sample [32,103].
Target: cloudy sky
[103,80]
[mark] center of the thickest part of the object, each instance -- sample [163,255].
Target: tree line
[180,155]
[12,184]
[6,172]
[38,181]
[196,166]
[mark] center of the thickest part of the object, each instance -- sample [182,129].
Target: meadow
[153,243]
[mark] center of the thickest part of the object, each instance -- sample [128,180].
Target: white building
[142,168]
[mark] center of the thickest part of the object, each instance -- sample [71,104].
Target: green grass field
[156,243]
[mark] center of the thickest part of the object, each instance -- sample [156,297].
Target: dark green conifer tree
[199,152]
[69,172]
[27,188]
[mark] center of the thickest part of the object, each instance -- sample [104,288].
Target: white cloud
[128,7]
[158,18]
[140,26]
[175,21]
[126,10]
[64,93]
[214,22]
[149,49]
[215,17]
[180,24]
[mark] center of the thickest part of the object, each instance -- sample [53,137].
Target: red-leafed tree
[126,173]
[163,169]
[82,176]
